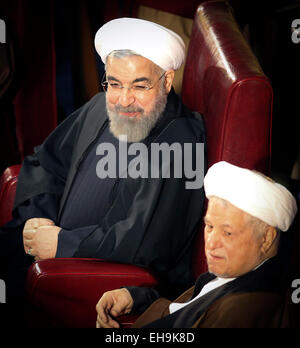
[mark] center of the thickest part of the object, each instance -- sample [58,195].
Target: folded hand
[40,237]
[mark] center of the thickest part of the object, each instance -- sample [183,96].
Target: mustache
[120,108]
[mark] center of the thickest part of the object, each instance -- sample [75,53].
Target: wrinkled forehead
[222,211]
[131,66]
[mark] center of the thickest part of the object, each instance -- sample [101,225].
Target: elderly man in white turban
[73,201]
[246,284]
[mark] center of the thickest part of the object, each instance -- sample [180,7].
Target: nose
[212,240]
[126,97]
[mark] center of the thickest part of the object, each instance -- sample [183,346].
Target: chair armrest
[67,290]
[8,184]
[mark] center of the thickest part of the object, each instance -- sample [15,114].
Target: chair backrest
[8,185]
[225,83]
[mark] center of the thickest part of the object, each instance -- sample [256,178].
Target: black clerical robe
[149,222]
[253,300]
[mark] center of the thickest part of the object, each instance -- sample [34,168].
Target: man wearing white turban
[65,210]
[247,279]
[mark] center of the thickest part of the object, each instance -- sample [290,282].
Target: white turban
[150,40]
[253,193]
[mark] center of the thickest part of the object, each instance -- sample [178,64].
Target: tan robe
[237,310]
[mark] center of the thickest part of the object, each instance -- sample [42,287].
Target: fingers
[105,309]
[45,241]
[29,244]
[37,222]
[28,238]
[108,323]
[46,222]
[31,227]
[48,227]
[120,306]
[30,251]
[112,304]
[29,230]
[29,234]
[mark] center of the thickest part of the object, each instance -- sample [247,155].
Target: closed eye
[140,88]
[115,85]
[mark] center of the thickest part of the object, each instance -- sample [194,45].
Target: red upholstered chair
[76,284]
[224,82]
[8,184]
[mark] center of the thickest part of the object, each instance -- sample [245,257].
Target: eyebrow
[112,78]
[223,225]
[140,79]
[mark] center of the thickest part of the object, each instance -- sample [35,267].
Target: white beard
[136,129]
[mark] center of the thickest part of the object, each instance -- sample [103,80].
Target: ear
[268,239]
[169,77]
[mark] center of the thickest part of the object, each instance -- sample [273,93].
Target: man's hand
[37,222]
[40,236]
[31,225]
[112,304]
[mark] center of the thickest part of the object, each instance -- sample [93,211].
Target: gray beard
[136,129]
